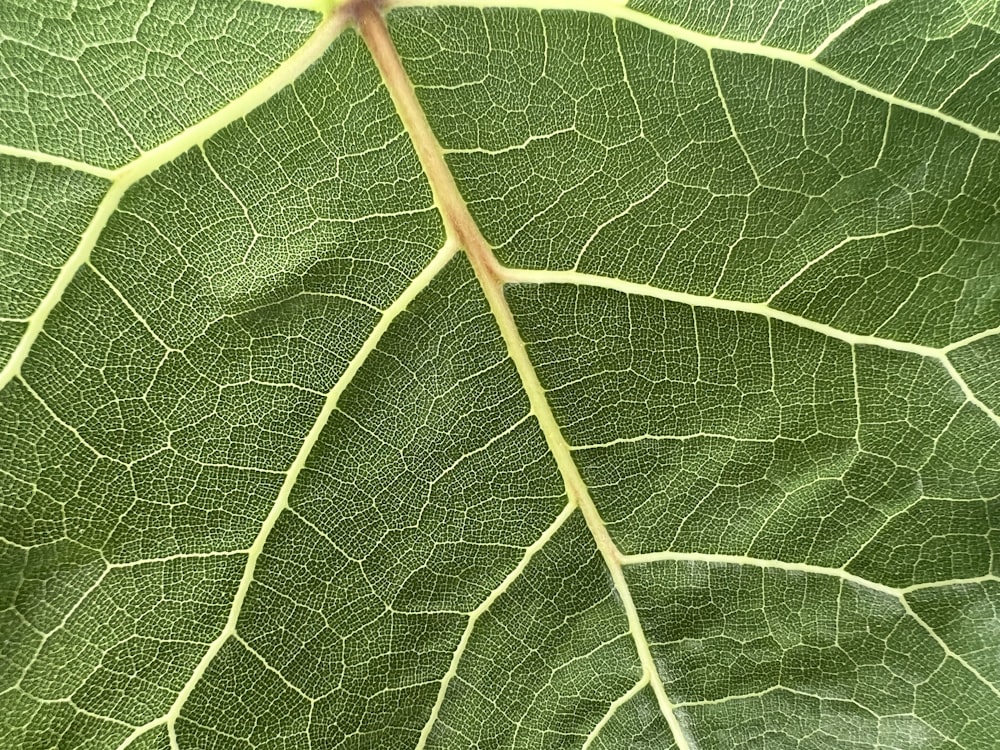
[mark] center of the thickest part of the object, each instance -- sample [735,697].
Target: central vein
[464,232]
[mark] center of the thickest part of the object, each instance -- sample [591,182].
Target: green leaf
[510,375]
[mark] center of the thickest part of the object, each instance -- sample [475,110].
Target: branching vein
[462,229]
[291,477]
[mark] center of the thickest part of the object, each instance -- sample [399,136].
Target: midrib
[462,229]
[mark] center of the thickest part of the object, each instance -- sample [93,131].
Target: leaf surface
[577,375]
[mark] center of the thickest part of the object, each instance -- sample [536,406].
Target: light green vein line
[740,560]
[837,246]
[707,42]
[481,449]
[615,705]
[78,258]
[975,580]
[743,560]
[61,627]
[478,612]
[281,502]
[150,161]
[284,74]
[947,649]
[680,438]
[729,117]
[59,161]
[178,556]
[972,339]
[806,694]
[277,673]
[969,79]
[522,276]
[290,69]
[774,689]
[839,31]
[967,391]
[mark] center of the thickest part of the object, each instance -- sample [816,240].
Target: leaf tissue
[530,374]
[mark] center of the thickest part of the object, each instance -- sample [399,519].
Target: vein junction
[492,276]
[463,230]
[123,178]
[464,234]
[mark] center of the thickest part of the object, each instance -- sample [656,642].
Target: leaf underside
[586,376]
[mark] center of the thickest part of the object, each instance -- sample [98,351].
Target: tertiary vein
[474,616]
